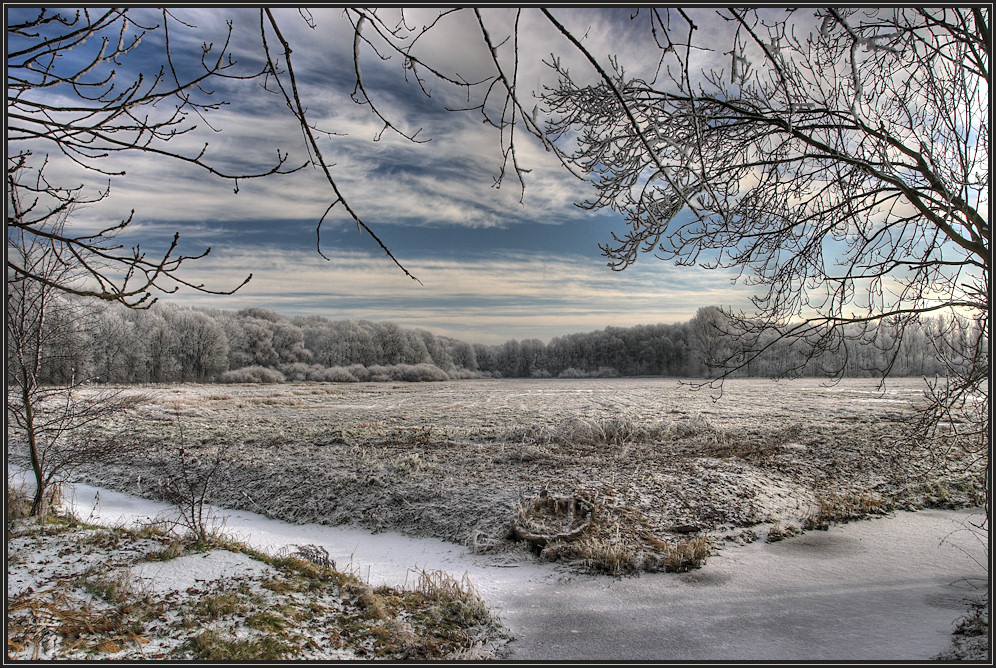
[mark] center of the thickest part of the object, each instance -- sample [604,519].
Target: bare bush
[189,480]
[332,374]
[418,373]
[252,374]
[52,426]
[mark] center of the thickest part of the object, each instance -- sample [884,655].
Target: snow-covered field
[459,460]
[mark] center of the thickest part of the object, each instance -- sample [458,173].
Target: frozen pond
[883,589]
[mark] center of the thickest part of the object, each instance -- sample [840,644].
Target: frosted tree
[392,343]
[160,345]
[258,339]
[202,350]
[712,346]
[463,355]
[117,348]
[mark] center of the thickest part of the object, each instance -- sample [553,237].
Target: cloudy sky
[494,263]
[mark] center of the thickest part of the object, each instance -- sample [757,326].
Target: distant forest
[168,344]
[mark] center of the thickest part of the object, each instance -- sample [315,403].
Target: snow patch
[196,570]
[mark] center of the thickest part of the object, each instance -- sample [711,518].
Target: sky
[493,263]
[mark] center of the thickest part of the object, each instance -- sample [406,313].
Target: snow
[883,589]
[193,571]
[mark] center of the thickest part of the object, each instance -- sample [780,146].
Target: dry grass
[972,638]
[222,645]
[596,554]
[835,508]
[439,619]
[619,554]
[171,551]
[300,609]
[458,598]
[683,555]
[615,431]
[78,626]
[451,460]
[18,504]
[115,617]
[549,518]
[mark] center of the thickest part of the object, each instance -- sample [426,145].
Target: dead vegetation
[661,466]
[547,518]
[837,508]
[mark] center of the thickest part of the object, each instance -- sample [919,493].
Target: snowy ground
[450,465]
[114,586]
[458,460]
[883,589]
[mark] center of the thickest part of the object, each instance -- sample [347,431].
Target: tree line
[169,343]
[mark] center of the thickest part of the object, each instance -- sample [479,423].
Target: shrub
[252,374]
[332,374]
[601,372]
[360,372]
[297,371]
[418,373]
[378,373]
[409,373]
[461,373]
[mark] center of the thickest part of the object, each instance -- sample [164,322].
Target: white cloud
[447,181]
[511,296]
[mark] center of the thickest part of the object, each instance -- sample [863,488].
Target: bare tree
[190,478]
[840,163]
[87,87]
[836,159]
[56,425]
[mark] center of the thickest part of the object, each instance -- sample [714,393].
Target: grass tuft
[221,645]
[18,504]
[457,598]
[596,554]
[685,555]
[836,508]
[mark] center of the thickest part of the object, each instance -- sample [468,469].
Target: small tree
[56,424]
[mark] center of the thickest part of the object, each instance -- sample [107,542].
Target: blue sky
[492,267]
